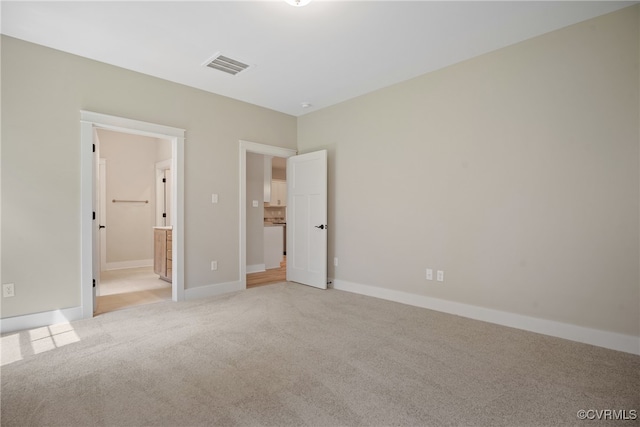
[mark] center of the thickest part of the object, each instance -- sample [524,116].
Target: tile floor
[130,280]
[125,288]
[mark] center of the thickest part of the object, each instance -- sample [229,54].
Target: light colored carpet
[287,354]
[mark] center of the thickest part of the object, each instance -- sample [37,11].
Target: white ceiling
[323,53]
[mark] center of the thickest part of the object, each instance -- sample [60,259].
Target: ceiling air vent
[226,64]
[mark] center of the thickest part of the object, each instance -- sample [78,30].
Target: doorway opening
[267,224]
[134,201]
[90,125]
[257,229]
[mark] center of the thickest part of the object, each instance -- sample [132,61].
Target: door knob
[101,226]
[322,226]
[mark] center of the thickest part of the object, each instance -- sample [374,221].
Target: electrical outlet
[255,204]
[429,274]
[8,290]
[214,265]
[335,261]
[440,276]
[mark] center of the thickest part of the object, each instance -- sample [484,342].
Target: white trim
[88,122]
[37,320]
[267,150]
[122,265]
[213,290]
[611,340]
[177,217]
[252,147]
[86,220]
[256,268]
[120,124]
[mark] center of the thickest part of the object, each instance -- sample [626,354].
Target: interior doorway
[134,200]
[248,202]
[307,213]
[267,224]
[90,122]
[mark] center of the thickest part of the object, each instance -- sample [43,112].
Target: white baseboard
[121,265]
[611,340]
[213,290]
[256,268]
[37,320]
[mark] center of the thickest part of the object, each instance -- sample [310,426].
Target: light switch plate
[214,198]
[255,204]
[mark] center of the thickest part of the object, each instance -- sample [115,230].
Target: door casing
[89,121]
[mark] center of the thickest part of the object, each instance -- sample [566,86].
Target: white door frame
[251,147]
[89,121]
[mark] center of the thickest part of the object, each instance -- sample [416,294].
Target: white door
[163,193]
[307,219]
[102,218]
[167,197]
[95,229]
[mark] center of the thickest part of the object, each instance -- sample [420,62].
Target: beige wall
[41,167]
[163,149]
[517,173]
[255,216]
[131,170]
[279,173]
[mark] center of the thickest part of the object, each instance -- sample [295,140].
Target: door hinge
[164,179]
[94,283]
[164,215]
[94,215]
[94,147]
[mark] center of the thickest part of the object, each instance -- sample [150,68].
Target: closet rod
[130,201]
